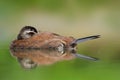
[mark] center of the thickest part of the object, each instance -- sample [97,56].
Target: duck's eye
[61,48]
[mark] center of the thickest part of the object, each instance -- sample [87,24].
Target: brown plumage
[34,48]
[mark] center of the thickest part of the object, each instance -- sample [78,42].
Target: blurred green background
[78,18]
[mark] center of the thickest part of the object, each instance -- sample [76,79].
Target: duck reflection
[30,58]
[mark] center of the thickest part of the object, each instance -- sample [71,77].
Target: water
[75,69]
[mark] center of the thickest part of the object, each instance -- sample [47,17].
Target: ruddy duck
[34,47]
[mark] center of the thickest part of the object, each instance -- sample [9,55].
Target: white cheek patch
[25,34]
[27,31]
